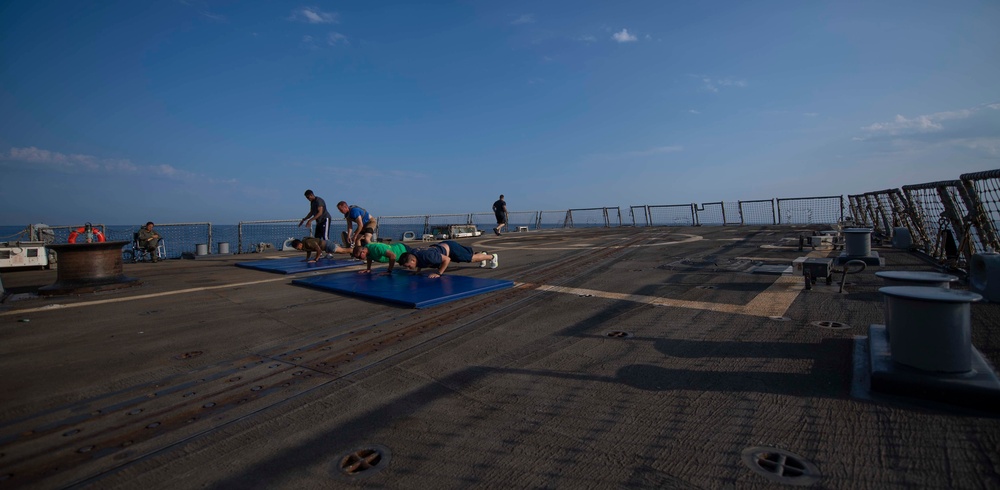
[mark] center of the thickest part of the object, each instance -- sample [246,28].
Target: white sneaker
[495,262]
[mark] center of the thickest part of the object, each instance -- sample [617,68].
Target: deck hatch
[830,325]
[780,466]
[363,462]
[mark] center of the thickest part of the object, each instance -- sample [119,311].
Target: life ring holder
[82,231]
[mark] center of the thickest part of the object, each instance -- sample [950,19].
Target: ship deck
[626,357]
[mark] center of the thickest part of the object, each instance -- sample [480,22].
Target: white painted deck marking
[773,301]
[143,296]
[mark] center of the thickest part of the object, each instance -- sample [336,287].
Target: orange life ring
[81,230]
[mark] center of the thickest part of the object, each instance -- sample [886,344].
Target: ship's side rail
[949,220]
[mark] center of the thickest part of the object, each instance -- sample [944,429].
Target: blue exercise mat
[297,264]
[403,287]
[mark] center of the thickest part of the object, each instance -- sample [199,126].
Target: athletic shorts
[501,218]
[459,252]
[370,226]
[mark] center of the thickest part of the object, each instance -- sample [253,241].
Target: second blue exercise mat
[297,264]
[404,288]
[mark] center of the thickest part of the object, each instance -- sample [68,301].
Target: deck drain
[362,463]
[188,355]
[780,466]
[618,334]
[708,287]
[830,325]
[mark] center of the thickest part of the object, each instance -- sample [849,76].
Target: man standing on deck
[356,215]
[500,211]
[319,214]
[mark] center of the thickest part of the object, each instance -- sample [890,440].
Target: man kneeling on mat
[442,254]
[310,245]
[379,252]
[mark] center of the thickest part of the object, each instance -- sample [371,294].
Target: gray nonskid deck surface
[524,388]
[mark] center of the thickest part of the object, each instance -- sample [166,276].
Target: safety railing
[591,217]
[758,212]
[179,237]
[257,236]
[810,210]
[949,220]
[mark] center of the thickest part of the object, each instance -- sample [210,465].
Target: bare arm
[355,239]
[392,260]
[316,249]
[445,260]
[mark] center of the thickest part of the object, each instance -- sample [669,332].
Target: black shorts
[501,218]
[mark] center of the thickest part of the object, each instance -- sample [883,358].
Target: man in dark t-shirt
[500,211]
[442,254]
[319,214]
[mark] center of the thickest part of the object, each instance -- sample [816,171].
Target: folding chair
[140,254]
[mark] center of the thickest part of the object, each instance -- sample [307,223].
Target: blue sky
[199,110]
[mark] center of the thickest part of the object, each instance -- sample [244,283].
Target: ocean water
[180,239]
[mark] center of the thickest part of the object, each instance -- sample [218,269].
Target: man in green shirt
[387,253]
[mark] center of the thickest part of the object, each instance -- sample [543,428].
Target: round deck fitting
[361,462]
[858,242]
[930,328]
[780,466]
[830,325]
[917,278]
[88,268]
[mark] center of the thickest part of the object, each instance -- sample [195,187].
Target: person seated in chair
[149,240]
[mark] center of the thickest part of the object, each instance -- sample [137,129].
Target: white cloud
[927,123]
[337,38]
[624,37]
[901,125]
[692,111]
[990,146]
[313,15]
[32,154]
[587,39]
[55,161]
[524,19]
[974,131]
[710,84]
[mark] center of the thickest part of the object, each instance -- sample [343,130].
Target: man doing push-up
[442,254]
